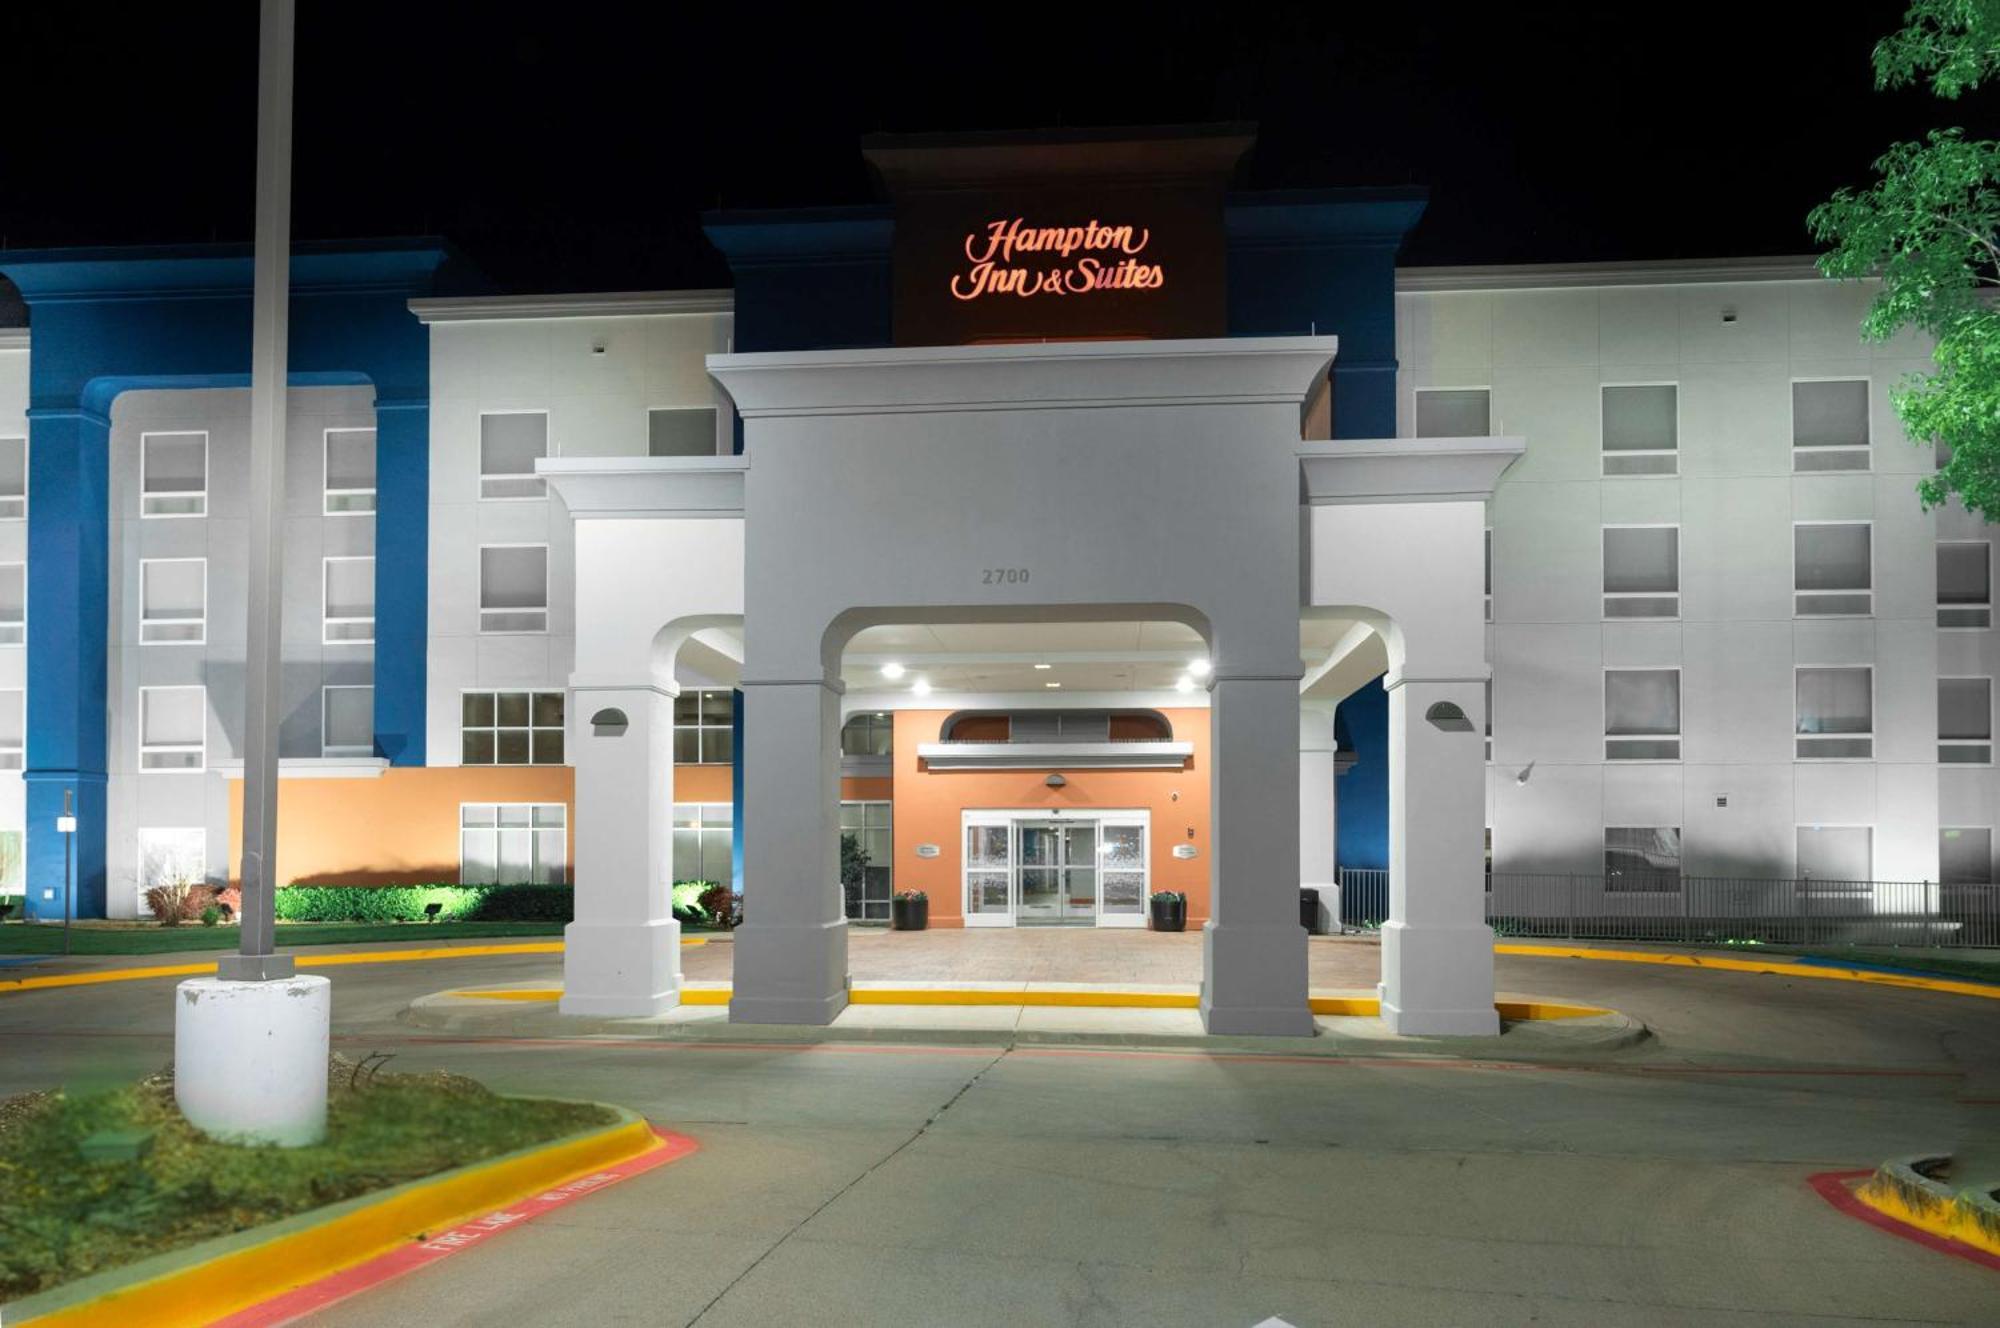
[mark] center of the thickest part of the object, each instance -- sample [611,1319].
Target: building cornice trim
[1405,470]
[1562,276]
[610,304]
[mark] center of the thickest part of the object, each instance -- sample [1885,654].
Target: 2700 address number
[1004,576]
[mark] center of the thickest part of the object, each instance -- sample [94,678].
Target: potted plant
[1169,910]
[910,910]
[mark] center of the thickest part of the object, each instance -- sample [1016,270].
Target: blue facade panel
[1361,808]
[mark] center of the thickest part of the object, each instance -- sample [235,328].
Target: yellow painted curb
[1780,966]
[303,960]
[1947,1217]
[205,1292]
[1095,1000]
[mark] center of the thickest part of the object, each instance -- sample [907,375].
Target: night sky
[574,146]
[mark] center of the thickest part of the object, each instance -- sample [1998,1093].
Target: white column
[1317,750]
[1253,948]
[622,954]
[1437,951]
[791,951]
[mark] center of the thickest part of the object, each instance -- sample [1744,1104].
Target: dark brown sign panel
[1062,264]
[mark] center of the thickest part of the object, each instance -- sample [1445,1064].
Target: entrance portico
[887,486]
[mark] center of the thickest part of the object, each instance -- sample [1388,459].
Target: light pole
[66,827]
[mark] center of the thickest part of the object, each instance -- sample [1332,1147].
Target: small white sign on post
[1185,850]
[927,850]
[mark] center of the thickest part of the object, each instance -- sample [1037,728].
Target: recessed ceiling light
[1044,666]
[892,670]
[1051,684]
[1184,683]
[922,687]
[1198,667]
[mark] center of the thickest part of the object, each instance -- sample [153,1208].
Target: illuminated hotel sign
[1008,256]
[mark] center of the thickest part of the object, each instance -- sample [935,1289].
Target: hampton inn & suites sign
[1013,256]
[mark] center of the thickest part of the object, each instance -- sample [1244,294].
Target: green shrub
[210,916]
[411,903]
[687,902]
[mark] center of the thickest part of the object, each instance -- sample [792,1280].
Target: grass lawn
[113,938]
[64,1215]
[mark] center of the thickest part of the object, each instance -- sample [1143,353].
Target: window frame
[700,728]
[15,756]
[533,832]
[27,476]
[1677,737]
[1604,573]
[201,622]
[479,587]
[1798,736]
[1869,525]
[1489,573]
[326,690]
[1966,743]
[1798,873]
[326,489]
[1989,874]
[8,629]
[200,749]
[888,806]
[496,728]
[327,622]
[139,841]
[1492,423]
[1867,446]
[715,427]
[1680,864]
[1984,609]
[1604,454]
[207,473]
[479,459]
[701,828]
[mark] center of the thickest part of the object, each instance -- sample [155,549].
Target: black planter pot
[1169,914]
[909,914]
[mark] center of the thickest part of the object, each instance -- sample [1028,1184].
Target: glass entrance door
[1057,874]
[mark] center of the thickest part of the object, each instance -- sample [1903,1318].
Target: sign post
[66,827]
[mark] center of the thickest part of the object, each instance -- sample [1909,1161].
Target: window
[350,472]
[1642,714]
[13,479]
[1641,429]
[1965,856]
[173,601]
[172,857]
[509,446]
[1454,412]
[349,585]
[1832,569]
[1489,722]
[13,604]
[346,721]
[1830,425]
[869,734]
[514,588]
[1965,721]
[1965,584]
[701,727]
[1837,855]
[869,823]
[511,728]
[681,432]
[703,850]
[513,843]
[173,474]
[1489,574]
[1642,859]
[1642,572]
[173,728]
[13,728]
[13,862]
[1836,713]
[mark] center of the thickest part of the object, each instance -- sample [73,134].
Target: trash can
[1309,910]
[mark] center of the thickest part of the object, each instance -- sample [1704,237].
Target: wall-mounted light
[1055,781]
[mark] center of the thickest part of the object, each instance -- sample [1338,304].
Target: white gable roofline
[611,304]
[1562,276]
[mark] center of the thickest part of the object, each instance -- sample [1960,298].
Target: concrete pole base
[790,974]
[250,1058]
[1255,980]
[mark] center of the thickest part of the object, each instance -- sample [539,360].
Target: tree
[1929,229]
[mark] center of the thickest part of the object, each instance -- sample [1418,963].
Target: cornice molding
[610,304]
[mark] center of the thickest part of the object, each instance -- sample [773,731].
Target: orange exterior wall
[927,808]
[702,783]
[399,829]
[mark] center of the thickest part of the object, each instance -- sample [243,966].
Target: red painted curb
[1833,1187]
[295,1304]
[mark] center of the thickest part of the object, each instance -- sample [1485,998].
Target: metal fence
[1713,909]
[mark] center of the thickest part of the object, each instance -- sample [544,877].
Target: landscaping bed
[143,938]
[74,1200]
